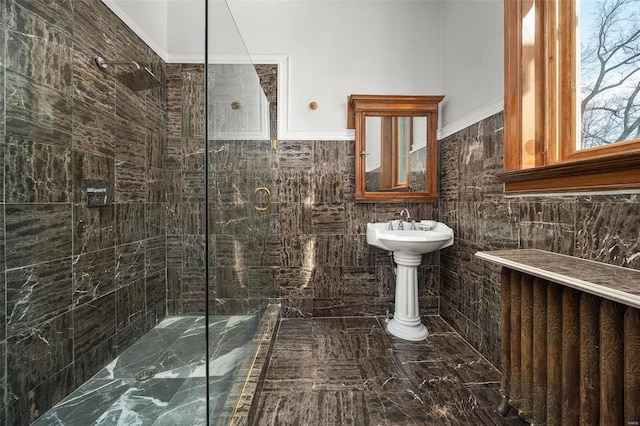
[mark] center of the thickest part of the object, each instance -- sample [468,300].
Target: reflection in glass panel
[609,71]
[238,107]
[418,156]
[372,160]
[404,134]
[395,158]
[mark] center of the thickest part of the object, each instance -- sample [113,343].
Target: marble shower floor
[160,379]
[338,371]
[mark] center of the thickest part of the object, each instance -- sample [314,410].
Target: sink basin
[419,241]
[408,246]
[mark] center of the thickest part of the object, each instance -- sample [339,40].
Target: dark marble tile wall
[3,300]
[80,283]
[313,255]
[325,266]
[597,227]
[268,75]
[241,237]
[185,172]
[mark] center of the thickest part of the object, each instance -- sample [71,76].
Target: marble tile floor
[339,371]
[160,379]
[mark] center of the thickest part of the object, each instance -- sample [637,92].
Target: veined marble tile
[156,295]
[295,186]
[156,217]
[188,404]
[192,153]
[94,323]
[193,186]
[175,394]
[177,322]
[226,350]
[93,229]
[155,260]
[141,404]
[226,366]
[37,233]
[129,220]
[25,121]
[612,282]
[406,408]
[37,173]
[191,398]
[414,383]
[114,402]
[33,353]
[314,407]
[142,355]
[185,358]
[131,182]
[295,155]
[607,232]
[129,266]
[52,19]
[93,129]
[130,304]
[93,275]
[193,119]
[37,294]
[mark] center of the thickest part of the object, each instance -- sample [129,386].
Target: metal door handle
[255,205]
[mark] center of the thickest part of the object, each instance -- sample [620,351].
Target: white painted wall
[338,48]
[341,47]
[186,26]
[472,62]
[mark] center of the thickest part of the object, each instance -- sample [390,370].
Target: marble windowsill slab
[611,282]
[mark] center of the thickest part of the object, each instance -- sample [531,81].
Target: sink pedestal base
[406,322]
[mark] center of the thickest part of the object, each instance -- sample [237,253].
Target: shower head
[137,79]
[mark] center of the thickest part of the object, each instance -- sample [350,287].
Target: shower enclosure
[136,220]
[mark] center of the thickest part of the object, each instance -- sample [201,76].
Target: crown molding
[472,118]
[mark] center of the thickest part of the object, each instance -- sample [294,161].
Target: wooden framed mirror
[396,146]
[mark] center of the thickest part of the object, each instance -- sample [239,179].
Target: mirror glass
[395,154]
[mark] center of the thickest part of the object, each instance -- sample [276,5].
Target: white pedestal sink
[408,246]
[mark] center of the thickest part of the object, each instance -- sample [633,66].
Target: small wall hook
[313,105]
[235,105]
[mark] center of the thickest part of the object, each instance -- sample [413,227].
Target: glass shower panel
[239,198]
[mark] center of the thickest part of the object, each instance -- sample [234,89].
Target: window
[397,136]
[572,102]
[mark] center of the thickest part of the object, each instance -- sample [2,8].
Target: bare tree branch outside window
[609,71]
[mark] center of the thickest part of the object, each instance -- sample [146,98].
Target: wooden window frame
[540,109]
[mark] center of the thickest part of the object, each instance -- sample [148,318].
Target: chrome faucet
[402,213]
